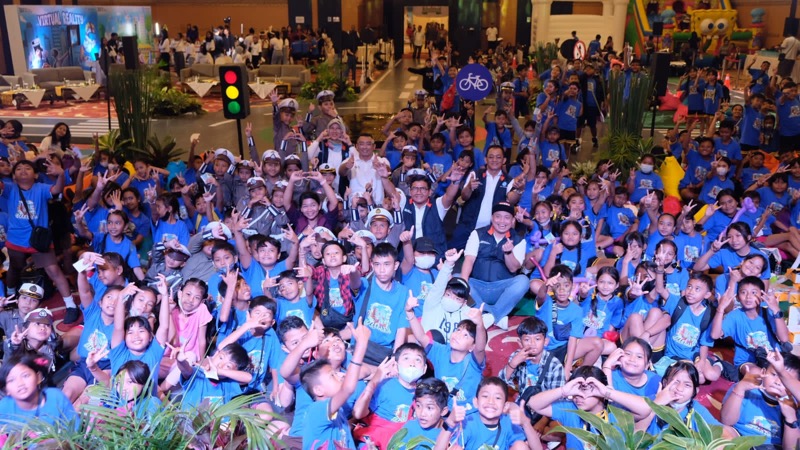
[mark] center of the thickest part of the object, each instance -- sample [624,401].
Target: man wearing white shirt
[255,50]
[491,36]
[367,168]
[788,53]
[276,43]
[493,258]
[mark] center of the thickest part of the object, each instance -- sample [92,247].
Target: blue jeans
[500,297]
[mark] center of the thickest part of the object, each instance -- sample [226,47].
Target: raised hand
[248,129]
[18,335]
[95,356]
[362,332]
[411,302]
[475,315]
[637,286]
[719,243]
[407,235]
[452,255]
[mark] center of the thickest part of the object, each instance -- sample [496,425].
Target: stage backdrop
[56,36]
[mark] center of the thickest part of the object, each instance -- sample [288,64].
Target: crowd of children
[350,286]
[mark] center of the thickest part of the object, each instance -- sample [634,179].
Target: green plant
[622,435]
[583,169]
[113,141]
[329,77]
[544,54]
[398,441]
[158,152]
[167,427]
[172,102]
[132,91]
[628,101]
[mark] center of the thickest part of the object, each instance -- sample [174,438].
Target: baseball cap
[40,315]
[411,149]
[280,186]
[425,245]
[380,213]
[503,207]
[32,290]
[255,182]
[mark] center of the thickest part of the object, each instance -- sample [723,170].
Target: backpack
[708,314]
[449,98]
[530,391]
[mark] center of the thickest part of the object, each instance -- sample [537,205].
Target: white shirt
[471,249]
[491,34]
[255,47]
[419,38]
[789,47]
[485,213]
[164,46]
[420,212]
[363,173]
[276,44]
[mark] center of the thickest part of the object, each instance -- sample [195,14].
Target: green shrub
[172,102]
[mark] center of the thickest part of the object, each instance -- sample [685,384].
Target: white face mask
[646,168]
[425,262]
[545,223]
[104,163]
[722,171]
[450,304]
[529,134]
[409,374]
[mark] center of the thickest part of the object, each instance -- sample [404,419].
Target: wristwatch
[794,424]
[779,315]
[448,428]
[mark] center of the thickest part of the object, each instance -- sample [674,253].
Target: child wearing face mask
[418,271]
[461,362]
[386,400]
[644,180]
[448,301]
[717,179]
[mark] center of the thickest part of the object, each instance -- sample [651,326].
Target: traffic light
[235,92]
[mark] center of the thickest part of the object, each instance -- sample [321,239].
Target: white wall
[546,28]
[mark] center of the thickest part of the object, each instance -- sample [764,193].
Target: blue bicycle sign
[474,82]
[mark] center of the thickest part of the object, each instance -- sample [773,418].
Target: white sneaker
[503,323]
[488,319]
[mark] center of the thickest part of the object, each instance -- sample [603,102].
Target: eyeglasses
[419,189]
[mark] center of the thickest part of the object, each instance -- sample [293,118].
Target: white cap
[325,93]
[366,234]
[271,154]
[421,93]
[256,182]
[224,154]
[380,212]
[32,290]
[289,103]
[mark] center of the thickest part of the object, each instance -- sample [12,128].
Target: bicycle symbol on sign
[473,82]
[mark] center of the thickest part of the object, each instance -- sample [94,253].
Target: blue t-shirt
[640,305]
[751,175]
[697,409]
[729,258]
[696,170]
[477,436]
[570,258]
[265,354]
[689,248]
[198,389]
[299,308]
[644,182]
[495,136]
[552,152]
[385,310]
[759,418]
[164,229]
[731,150]
[415,430]
[103,243]
[142,221]
[748,334]
[759,82]
[567,112]
[19,225]
[789,117]
[712,94]
[608,314]
[694,94]
[564,413]
[619,220]
[551,106]
[571,315]
[685,337]
[141,185]
[303,401]
[326,431]
[96,334]
[648,389]
[152,356]
[255,275]
[420,284]
[464,375]
[751,126]
[56,410]
[770,198]
[712,187]
[439,165]
[392,401]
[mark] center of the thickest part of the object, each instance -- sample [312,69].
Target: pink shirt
[187,328]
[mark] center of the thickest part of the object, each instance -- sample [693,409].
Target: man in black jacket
[427,75]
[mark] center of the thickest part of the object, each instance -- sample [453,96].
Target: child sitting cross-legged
[461,362]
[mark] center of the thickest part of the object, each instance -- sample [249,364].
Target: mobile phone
[206,177]
[81,266]
[195,136]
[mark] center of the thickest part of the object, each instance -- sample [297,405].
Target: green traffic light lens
[234,107]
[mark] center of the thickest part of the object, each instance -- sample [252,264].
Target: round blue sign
[474,82]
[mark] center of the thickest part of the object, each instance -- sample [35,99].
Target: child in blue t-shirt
[690,242]
[692,87]
[752,326]
[261,266]
[417,268]
[626,369]
[644,180]
[167,224]
[438,161]
[697,165]
[551,148]
[719,179]
[459,363]
[487,424]
[564,318]
[602,312]
[291,302]
[755,169]
[620,219]
[216,379]
[680,386]
[114,240]
[712,92]
[329,393]
[568,111]
[430,406]
[752,121]
[725,145]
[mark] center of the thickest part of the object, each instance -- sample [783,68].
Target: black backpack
[708,314]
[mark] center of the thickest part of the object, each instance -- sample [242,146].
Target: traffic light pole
[239,131]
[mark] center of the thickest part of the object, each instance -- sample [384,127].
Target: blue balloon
[474,82]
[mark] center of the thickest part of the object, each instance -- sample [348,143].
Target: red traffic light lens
[230,77]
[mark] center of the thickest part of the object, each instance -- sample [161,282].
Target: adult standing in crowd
[787,55]
[491,37]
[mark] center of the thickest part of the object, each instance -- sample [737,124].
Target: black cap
[503,207]
[425,245]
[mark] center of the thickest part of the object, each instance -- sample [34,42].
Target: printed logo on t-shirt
[401,413]
[623,219]
[690,253]
[336,297]
[297,313]
[645,183]
[794,111]
[758,339]
[97,341]
[722,152]
[3,235]
[776,206]
[256,360]
[674,288]
[709,94]
[700,172]
[183,213]
[714,191]
[553,154]
[572,111]
[22,214]
[595,321]
[687,335]
[379,318]
[763,426]
[437,169]
[424,289]
[451,383]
